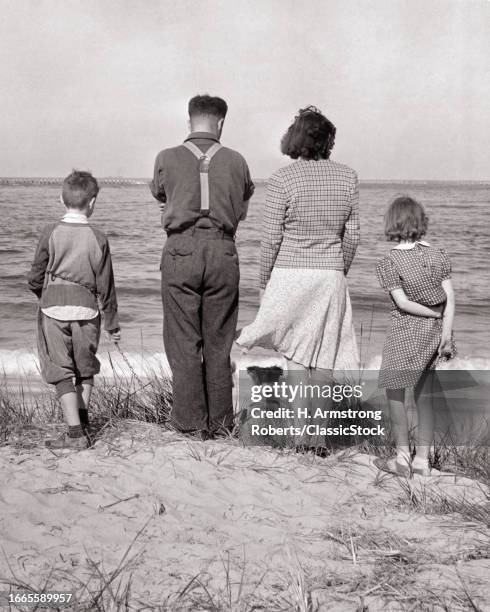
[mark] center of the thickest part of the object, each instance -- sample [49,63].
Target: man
[204,189]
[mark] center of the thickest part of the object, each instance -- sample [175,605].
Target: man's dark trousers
[200,277]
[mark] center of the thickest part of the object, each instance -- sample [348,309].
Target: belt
[203,232]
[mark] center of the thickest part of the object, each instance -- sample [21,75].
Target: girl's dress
[412,341]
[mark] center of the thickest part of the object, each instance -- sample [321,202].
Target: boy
[71,273]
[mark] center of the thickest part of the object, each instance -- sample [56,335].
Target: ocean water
[459,220]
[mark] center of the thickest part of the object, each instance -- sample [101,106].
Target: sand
[218,526]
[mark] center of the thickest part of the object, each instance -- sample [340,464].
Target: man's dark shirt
[176,182]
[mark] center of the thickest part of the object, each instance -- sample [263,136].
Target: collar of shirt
[410,245]
[74,217]
[202,136]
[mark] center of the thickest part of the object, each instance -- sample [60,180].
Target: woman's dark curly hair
[405,219]
[310,136]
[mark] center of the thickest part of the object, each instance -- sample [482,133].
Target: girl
[417,276]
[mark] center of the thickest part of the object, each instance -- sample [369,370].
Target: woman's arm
[350,238]
[413,308]
[272,228]
[448,318]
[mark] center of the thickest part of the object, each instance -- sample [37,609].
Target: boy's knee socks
[75,431]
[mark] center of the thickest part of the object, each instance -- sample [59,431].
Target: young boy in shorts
[72,276]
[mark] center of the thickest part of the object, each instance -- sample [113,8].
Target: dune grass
[143,399]
[149,399]
[378,564]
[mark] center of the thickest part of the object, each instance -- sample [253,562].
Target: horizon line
[122,179]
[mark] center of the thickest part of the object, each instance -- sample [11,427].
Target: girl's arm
[413,308]
[448,317]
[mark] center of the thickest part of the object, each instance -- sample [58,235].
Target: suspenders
[204,161]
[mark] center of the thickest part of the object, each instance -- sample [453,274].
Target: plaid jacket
[311,218]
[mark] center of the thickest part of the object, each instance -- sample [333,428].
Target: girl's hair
[405,219]
[310,136]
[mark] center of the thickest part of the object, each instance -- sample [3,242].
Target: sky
[104,84]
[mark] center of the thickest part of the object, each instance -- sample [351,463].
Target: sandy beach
[175,524]
[212,148]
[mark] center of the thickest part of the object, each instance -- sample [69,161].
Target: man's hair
[208,105]
[310,136]
[405,219]
[78,189]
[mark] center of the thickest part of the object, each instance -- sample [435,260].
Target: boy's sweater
[73,267]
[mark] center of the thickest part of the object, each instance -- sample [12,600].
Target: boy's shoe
[65,442]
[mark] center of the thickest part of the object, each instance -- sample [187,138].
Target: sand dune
[248,524]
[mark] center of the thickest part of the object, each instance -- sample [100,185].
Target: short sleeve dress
[411,344]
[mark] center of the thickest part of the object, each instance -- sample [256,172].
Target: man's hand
[114,335]
[445,346]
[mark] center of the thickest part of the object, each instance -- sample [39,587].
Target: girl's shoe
[65,442]
[422,468]
[425,470]
[393,466]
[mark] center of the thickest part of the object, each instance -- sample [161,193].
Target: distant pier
[118,181]
[55,181]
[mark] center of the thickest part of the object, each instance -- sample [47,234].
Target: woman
[309,239]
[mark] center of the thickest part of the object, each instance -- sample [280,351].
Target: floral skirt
[306,315]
